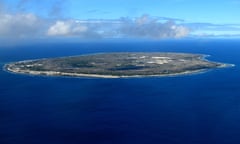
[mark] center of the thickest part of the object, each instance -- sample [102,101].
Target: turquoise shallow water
[195,109]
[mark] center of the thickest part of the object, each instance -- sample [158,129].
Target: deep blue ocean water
[192,109]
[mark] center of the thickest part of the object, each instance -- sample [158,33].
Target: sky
[101,19]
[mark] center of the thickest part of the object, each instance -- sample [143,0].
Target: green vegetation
[117,64]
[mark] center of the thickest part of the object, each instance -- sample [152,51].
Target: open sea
[190,109]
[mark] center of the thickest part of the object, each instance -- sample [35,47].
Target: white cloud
[66,28]
[141,27]
[180,31]
[59,28]
[27,25]
[148,27]
[19,25]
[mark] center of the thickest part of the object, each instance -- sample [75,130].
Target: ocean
[189,109]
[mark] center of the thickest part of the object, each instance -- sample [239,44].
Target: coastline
[202,57]
[54,73]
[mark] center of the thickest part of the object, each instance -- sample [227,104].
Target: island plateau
[116,65]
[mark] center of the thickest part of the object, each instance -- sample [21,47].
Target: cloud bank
[214,30]
[24,25]
[20,25]
[141,27]
[148,27]
[22,22]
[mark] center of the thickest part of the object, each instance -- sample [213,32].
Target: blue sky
[210,11]
[207,11]
[87,19]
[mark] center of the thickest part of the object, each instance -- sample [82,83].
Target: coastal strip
[54,73]
[117,65]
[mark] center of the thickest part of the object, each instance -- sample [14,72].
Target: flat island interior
[116,65]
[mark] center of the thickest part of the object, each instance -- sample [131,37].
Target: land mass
[115,65]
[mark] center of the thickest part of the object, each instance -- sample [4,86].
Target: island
[117,65]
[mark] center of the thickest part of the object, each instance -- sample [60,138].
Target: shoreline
[54,73]
[10,67]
